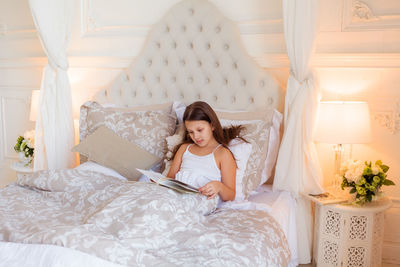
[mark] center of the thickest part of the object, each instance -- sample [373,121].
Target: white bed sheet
[39,255]
[280,205]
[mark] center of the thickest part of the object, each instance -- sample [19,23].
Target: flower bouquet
[25,147]
[365,179]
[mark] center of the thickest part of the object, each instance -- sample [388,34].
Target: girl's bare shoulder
[223,153]
[183,147]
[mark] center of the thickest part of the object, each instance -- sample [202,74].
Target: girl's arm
[176,162]
[227,187]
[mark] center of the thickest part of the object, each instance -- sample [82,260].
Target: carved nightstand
[20,168]
[348,235]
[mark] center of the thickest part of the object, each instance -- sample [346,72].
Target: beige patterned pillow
[110,150]
[147,129]
[257,132]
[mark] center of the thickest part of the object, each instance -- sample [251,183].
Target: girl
[203,159]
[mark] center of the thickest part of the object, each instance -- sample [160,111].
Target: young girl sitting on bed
[203,159]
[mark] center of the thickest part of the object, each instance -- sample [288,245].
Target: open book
[169,182]
[327,198]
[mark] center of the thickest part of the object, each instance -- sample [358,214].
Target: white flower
[354,171]
[376,169]
[29,137]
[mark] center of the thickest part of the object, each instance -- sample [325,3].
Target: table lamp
[342,122]
[34,105]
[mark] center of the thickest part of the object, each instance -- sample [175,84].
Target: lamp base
[337,179]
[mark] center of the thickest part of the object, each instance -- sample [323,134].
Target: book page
[168,182]
[327,198]
[154,176]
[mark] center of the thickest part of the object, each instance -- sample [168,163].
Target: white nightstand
[21,169]
[348,235]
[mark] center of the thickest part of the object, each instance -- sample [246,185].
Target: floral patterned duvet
[135,223]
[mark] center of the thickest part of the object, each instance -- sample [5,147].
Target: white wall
[357,58]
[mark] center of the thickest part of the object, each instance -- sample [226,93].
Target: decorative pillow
[257,134]
[275,118]
[108,149]
[273,146]
[94,167]
[241,150]
[146,128]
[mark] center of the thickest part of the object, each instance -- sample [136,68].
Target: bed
[92,215]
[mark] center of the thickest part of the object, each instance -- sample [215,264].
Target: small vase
[23,159]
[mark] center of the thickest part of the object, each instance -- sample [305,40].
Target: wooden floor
[383,265]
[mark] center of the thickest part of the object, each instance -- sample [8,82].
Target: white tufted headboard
[194,53]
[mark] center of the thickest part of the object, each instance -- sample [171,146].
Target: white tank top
[198,170]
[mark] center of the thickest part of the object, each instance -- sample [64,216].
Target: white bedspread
[128,223]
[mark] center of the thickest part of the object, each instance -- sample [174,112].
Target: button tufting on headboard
[194,53]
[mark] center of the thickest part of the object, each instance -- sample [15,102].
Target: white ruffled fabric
[54,131]
[297,168]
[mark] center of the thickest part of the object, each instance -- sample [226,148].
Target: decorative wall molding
[91,27]
[7,32]
[362,12]
[389,119]
[359,16]
[384,60]
[24,62]
[21,94]
[357,60]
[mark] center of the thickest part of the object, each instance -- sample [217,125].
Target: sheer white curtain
[297,168]
[54,136]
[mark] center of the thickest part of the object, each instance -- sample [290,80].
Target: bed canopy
[176,66]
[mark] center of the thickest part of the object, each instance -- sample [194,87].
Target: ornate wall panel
[371,15]
[390,119]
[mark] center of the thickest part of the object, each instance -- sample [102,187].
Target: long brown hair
[201,111]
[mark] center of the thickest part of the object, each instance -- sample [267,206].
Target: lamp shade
[343,122]
[34,105]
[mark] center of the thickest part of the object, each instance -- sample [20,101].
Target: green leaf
[378,162]
[369,198]
[353,190]
[388,182]
[385,168]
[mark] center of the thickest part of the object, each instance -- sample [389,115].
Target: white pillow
[92,166]
[273,146]
[273,142]
[241,150]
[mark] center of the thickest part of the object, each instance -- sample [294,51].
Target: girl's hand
[211,189]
